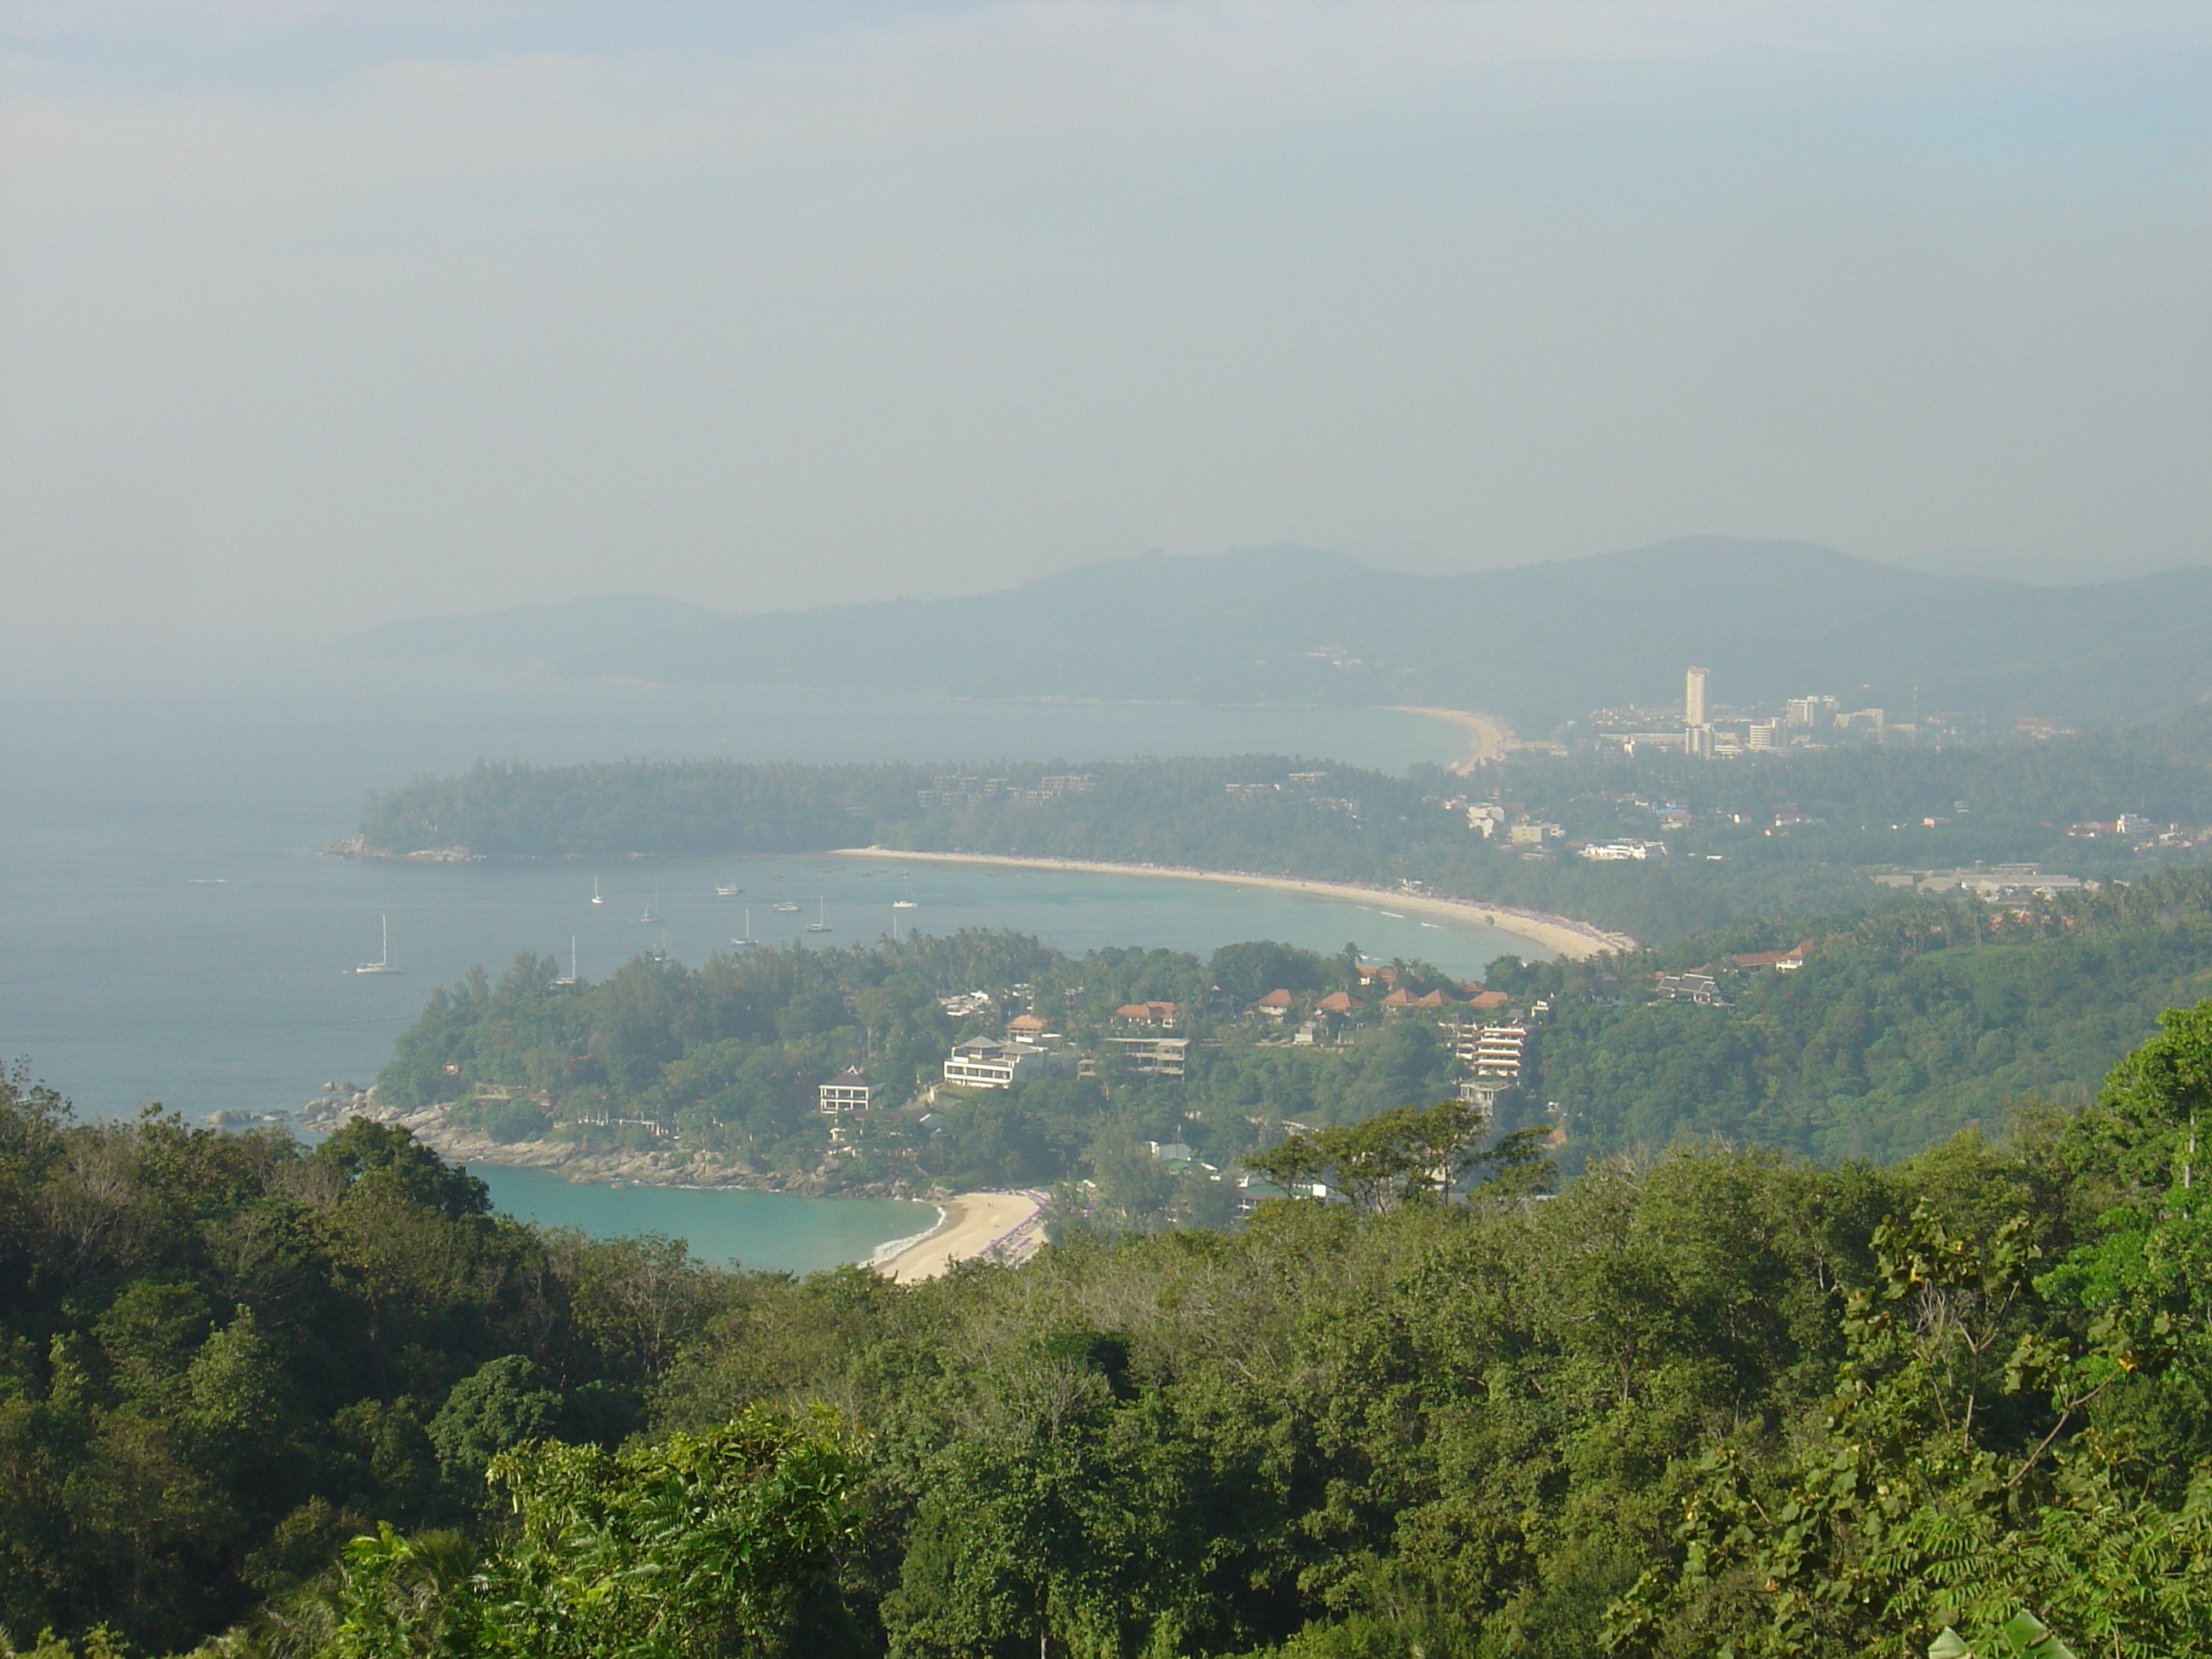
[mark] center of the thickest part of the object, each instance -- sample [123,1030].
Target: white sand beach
[1563,934]
[1489,734]
[972,1225]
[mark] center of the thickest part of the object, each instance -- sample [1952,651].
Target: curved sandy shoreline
[1489,734]
[971,1224]
[1561,934]
[892,1249]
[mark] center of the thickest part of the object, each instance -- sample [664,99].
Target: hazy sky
[314,315]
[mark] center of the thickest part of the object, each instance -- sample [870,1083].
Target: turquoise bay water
[728,1228]
[171,929]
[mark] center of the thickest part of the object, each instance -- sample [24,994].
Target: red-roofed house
[1491,999]
[1782,962]
[1339,1002]
[1147,1014]
[1276,1004]
[1401,999]
[1025,1025]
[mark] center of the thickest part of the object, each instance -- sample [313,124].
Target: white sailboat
[906,902]
[596,899]
[569,978]
[651,911]
[821,923]
[384,964]
[748,942]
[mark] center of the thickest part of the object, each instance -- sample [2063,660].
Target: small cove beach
[1004,1226]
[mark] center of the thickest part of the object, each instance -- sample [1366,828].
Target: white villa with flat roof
[850,1090]
[988,1063]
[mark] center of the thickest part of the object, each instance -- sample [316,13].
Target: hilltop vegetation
[1720,1401]
[666,807]
[221,1355]
[1900,1028]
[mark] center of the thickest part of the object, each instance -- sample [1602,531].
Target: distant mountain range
[1539,643]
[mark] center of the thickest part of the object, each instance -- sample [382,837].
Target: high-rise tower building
[1693,697]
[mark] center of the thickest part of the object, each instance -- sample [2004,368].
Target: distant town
[1712,731]
[1484,1031]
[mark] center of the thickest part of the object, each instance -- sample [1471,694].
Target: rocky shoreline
[433,1126]
[355,847]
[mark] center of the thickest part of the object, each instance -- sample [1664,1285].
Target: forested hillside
[664,807]
[724,1060]
[1900,1029]
[222,1355]
[1718,1401]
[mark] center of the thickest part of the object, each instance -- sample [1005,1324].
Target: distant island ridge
[1538,644]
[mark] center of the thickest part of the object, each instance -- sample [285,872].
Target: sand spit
[1562,934]
[1490,735]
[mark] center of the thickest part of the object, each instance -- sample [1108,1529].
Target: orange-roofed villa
[1147,1014]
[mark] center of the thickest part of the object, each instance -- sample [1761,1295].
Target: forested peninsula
[273,1400]
[1799,833]
[1894,1031]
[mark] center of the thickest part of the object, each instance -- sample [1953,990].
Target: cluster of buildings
[1703,985]
[1305,785]
[1507,821]
[1485,1034]
[2141,833]
[1996,883]
[1703,729]
[1614,852]
[1510,823]
[1030,1051]
[952,791]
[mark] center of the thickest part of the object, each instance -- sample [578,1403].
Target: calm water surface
[170,930]
[730,1229]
